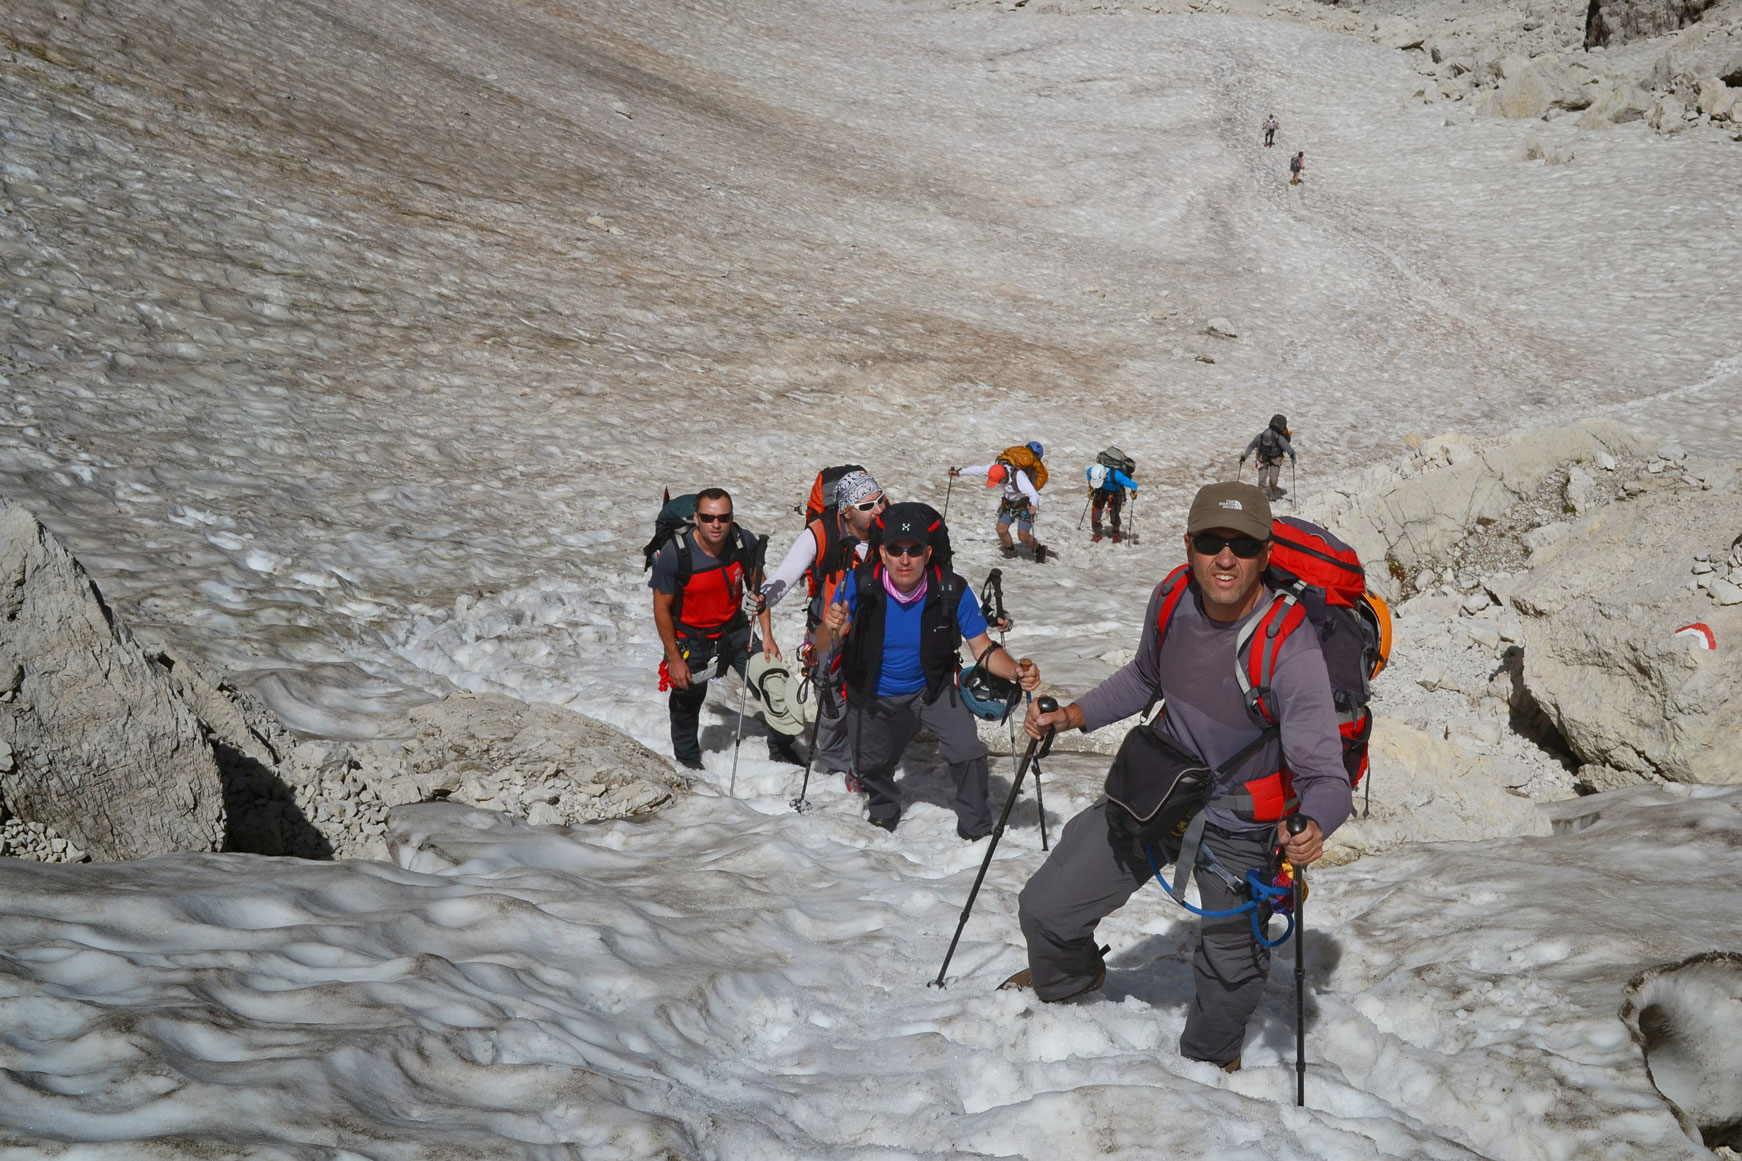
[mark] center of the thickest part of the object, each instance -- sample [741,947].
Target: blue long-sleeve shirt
[1115,479]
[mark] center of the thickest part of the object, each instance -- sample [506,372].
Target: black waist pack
[1154,788]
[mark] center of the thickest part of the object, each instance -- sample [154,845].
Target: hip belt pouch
[1154,788]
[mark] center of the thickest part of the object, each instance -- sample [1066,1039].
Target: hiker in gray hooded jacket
[1093,870]
[1269,446]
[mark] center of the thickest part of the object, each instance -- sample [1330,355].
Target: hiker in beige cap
[1198,639]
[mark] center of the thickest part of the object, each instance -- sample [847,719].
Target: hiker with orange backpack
[834,541]
[1210,784]
[1021,474]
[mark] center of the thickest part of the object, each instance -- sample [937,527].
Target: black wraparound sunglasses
[1245,547]
[713,517]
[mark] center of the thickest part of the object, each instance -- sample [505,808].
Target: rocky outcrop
[1600,608]
[97,744]
[1453,506]
[1614,22]
[541,762]
[1426,789]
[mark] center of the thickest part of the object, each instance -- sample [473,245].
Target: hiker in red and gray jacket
[1192,641]
[699,613]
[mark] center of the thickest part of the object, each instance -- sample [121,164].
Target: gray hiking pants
[1269,473]
[882,731]
[1089,875]
[834,740]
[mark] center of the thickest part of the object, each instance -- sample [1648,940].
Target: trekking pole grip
[1297,823]
[1048,705]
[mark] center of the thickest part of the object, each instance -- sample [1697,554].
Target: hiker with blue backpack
[702,561]
[900,619]
[1212,782]
[1109,479]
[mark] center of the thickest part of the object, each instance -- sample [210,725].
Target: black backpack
[1115,460]
[676,519]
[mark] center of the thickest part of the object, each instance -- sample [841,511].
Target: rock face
[544,763]
[1600,608]
[1612,22]
[1452,504]
[1428,790]
[97,744]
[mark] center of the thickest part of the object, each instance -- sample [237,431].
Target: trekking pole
[1047,706]
[1039,802]
[1240,470]
[1133,537]
[1086,502]
[744,687]
[949,487]
[1293,488]
[1296,824]
[820,684]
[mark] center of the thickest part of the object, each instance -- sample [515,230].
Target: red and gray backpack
[1318,581]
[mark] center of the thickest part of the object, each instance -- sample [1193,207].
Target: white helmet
[1098,476]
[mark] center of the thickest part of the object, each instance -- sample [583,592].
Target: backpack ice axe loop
[1037,747]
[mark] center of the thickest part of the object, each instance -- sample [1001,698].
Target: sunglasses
[1245,547]
[872,505]
[913,550]
[713,517]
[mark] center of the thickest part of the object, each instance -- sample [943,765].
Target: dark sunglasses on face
[1245,547]
[713,517]
[914,550]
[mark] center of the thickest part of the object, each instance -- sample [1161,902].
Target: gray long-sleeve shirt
[1205,711]
[1285,448]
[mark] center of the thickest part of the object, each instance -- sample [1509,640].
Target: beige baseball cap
[1238,507]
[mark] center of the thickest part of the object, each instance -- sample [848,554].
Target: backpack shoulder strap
[1173,590]
[1260,642]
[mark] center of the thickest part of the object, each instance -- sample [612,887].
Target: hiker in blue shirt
[904,615]
[1107,494]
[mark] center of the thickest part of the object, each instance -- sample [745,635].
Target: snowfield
[351,346]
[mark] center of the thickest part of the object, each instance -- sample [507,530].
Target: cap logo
[1233,505]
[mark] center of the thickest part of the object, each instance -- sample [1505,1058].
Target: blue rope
[1260,890]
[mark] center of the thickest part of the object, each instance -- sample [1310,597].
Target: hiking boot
[1024,981]
[1232,1066]
[854,786]
[781,749]
[887,824]
[1040,551]
[969,836]
[1116,536]
[690,763]
[1096,538]
[1007,551]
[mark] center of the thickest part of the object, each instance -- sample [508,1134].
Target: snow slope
[352,344]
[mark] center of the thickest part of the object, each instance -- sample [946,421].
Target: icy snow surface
[351,343]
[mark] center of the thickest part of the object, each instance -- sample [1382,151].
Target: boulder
[1599,610]
[494,752]
[1451,500]
[103,749]
[1612,22]
[1534,88]
[1429,790]
[1616,103]
[1668,115]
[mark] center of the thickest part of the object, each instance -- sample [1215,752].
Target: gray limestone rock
[1599,612]
[104,750]
[490,750]
[1613,22]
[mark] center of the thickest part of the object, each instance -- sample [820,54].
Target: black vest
[939,640]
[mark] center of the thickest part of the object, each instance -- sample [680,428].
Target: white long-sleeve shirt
[798,561]
[1017,485]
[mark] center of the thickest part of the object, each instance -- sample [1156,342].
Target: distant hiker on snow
[1109,477]
[830,546]
[1203,621]
[699,573]
[1019,470]
[904,614]
[1268,447]
[1270,128]
[1296,165]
